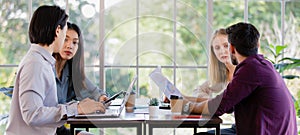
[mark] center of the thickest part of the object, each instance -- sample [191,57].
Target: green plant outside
[283,63]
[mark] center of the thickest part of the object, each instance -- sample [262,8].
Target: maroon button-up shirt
[261,102]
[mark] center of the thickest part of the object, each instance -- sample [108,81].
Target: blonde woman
[220,68]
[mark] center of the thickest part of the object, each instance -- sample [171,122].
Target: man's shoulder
[254,63]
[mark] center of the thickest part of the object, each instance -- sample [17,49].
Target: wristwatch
[186,108]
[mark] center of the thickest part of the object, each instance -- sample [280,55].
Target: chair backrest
[7,91]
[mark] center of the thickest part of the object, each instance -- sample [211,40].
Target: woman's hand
[230,67]
[103,98]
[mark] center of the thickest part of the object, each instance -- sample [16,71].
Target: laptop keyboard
[112,111]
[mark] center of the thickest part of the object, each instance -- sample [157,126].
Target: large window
[140,35]
[124,38]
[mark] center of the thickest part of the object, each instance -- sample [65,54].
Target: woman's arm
[202,92]
[199,107]
[194,99]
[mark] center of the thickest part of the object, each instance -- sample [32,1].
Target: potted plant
[153,107]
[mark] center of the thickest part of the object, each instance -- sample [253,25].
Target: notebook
[164,84]
[112,111]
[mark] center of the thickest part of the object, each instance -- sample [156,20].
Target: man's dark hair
[44,22]
[244,37]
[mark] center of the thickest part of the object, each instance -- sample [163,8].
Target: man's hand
[88,105]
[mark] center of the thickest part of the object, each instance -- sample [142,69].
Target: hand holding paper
[163,83]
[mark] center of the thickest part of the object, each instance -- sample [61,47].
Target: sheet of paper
[163,83]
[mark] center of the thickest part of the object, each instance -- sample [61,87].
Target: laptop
[164,84]
[112,111]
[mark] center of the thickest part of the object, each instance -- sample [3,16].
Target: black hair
[44,22]
[244,37]
[77,68]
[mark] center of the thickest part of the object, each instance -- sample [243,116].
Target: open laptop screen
[115,111]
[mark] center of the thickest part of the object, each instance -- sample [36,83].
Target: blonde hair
[218,73]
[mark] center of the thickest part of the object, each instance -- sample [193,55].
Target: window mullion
[102,46]
[246,11]
[137,48]
[174,41]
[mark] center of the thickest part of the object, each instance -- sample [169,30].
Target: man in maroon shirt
[257,94]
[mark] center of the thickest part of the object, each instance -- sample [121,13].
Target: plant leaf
[286,66]
[290,76]
[279,49]
[290,66]
[294,60]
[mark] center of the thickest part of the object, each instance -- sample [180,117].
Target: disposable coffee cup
[176,104]
[129,106]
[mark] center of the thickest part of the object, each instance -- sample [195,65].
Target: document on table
[164,84]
